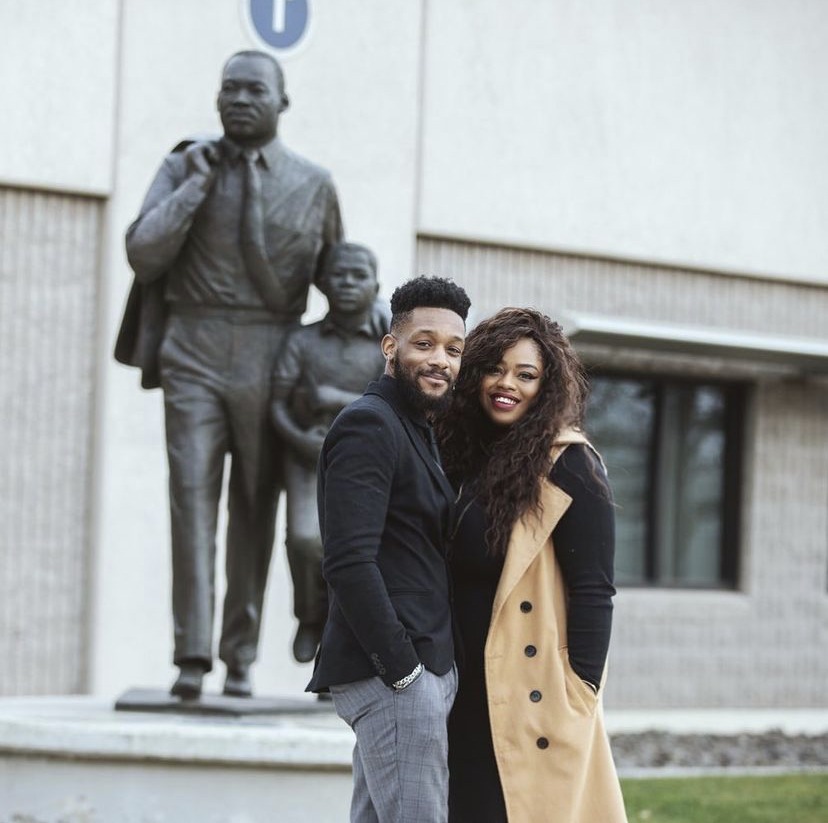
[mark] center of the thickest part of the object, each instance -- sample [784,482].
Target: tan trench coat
[552,750]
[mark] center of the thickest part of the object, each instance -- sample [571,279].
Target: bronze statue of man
[229,238]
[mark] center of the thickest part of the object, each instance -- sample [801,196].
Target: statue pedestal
[159,701]
[78,760]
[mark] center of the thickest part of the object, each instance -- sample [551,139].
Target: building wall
[499,275]
[59,68]
[762,644]
[49,253]
[687,133]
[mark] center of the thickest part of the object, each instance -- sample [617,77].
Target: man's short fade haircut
[427,293]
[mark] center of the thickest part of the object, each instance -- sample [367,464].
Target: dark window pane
[673,459]
[690,471]
[620,423]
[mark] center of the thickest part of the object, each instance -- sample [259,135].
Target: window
[673,452]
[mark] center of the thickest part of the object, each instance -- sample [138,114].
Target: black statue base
[161,701]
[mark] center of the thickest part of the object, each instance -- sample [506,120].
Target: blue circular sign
[281,24]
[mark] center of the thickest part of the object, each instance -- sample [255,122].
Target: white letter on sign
[279,14]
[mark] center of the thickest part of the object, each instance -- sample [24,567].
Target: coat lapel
[532,531]
[528,537]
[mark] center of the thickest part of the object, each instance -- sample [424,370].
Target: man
[227,242]
[385,510]
[323,367]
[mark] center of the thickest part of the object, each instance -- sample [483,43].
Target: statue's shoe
[188,684]
[306,642]
[237,683]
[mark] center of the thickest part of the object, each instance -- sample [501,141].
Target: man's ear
[388,344]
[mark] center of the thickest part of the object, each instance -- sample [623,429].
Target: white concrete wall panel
[48,789]
[687,132]
[354,105]
[58,62]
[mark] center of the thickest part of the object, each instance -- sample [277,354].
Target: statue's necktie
[253,246]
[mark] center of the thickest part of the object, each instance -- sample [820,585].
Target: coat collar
[532,531]
[386,388]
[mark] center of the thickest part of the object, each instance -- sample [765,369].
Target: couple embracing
[468,530]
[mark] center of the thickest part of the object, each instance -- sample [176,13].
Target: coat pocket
[580,695]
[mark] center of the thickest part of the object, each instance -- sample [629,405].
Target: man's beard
[412,393]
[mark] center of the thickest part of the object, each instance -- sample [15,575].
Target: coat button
[530,651]
[526,607]
[543,743]
[535,696]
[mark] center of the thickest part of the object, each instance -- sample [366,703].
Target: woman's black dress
[584,545]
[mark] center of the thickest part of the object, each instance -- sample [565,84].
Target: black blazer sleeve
[356,477]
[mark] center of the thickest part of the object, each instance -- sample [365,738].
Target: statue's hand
[326,398]
[202,160]
[311,444]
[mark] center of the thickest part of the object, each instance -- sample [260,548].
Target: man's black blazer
[385,508]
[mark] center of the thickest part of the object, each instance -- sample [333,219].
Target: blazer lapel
[384,388]
[425,455]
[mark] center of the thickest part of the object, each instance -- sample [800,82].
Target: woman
[532,561]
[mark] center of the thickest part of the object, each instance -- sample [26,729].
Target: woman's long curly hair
[507,465]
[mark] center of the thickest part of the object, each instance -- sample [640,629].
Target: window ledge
[808,355]
[683,602]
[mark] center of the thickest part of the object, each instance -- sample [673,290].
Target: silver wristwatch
[405,682]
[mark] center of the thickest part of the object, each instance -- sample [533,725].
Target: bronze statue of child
[323,367]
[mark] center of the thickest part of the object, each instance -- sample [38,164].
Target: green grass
[801,798]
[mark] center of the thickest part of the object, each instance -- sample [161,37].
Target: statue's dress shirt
[325,354]
[193,235]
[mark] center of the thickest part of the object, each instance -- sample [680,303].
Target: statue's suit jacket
[142,330]
[145,317]
[385,510]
